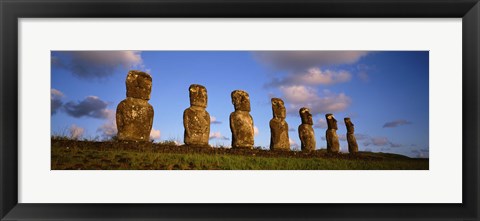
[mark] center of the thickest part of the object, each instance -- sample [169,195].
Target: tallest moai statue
[134,114]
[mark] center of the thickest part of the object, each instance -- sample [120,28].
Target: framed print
[308,110]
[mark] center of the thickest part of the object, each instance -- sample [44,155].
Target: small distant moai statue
[241,122]
[305,130]
[134,115]
[278,126]
[333,146]
[352,142]
[196,119]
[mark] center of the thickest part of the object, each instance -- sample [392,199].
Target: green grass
[82,155]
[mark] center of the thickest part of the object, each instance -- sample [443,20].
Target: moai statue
[352,142]
[134,114]
[279,127]
[305,130]
[333,145]
[196,119]
[241,122]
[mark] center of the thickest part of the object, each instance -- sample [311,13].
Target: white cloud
[76,132]
[316,76]
[297,96]
[154,134]
[298,93]
[293,144]
[217,135]
[213,120]
[344,148]
[255,131]
[312,76]
[109,128]
[54,93]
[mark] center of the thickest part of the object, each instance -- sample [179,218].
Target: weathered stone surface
[333,146]
[196,120]
[278,126]
[134,115]
[305,130]
[134,119]
[139,85]
[198,95]
[352,141]
[241,122]
[241,100]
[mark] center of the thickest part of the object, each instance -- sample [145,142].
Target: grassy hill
[115,155]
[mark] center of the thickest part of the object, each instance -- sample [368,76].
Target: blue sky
[385,93]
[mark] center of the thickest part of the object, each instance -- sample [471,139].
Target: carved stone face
[278,108]
[331,121]
[306,116]
[241,100]
[349,124]
[198,95]
[139,85]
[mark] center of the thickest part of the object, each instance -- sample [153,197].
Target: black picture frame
[11,11]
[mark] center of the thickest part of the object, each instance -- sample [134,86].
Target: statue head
[139,85]
[198,95]
[331,121]
[306,116]
[241,100]
[349,125]
[278,108]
